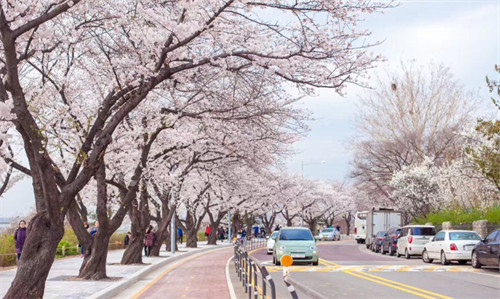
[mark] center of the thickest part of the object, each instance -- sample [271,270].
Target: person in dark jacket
[127,239]
[20,237]
[95,229]
[180,234]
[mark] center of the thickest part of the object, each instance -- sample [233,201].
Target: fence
[253,275]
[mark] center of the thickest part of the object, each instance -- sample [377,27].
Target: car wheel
[407,255]
[475,261]
[425,257]
[444,261]
[269,253]
[397,253]
[462,262]
[390,251]
[315,263]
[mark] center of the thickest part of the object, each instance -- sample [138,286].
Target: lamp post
[302,175]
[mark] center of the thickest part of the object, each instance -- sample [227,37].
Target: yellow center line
[328,262]
[405,285]
[387,284]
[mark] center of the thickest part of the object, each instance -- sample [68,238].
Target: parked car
[329,234]
[270,242]
[298,242]
[377,241]
[413,239]
[451,245]
[487,251]
[390,241]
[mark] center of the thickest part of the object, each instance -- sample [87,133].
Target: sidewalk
[61,282]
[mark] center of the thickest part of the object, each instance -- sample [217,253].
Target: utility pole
[229,229]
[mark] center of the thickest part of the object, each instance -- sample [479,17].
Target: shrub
[7,250]
[460,215]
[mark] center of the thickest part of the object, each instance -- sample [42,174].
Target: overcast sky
[464,35]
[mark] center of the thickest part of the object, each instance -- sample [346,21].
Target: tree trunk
[192,238]
[38,254]
[94,263]
[212,237]
[139,215]
[133,253]
[163,232]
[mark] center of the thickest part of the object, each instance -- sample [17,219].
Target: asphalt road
[349,270]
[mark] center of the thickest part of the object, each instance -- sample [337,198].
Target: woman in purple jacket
[19,237]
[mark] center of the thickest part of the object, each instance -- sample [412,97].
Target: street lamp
[302,175]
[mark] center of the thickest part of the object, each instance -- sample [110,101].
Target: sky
[464,35]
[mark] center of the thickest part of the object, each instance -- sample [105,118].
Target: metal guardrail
[293,284]
[250,271]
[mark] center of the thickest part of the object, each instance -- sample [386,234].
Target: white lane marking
[232,294]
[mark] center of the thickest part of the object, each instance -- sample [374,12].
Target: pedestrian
[207,231]
[238,237]
[256,231]
[180,233]
[95,229]
[82,252]
[127,239]
[20,237]
[338,227]
[149,240]
[243,236]
[221,233]
[262,232]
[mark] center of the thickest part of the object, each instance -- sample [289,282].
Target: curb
[118,287]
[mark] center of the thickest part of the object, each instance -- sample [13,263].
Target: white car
[271,241]
[413,238]
[451,245]
[329,234]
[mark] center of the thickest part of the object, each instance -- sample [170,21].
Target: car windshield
[455,236]
[296,235]
[273,236]
[423,231]
[327,230]
[381,234]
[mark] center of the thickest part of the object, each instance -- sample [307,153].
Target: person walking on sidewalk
[127,239]
[180,234]
[207,231]
[149,240]
[20,237]
[221,233]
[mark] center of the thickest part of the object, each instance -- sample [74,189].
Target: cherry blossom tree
[101,59]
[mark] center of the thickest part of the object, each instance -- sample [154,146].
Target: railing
[293,284]
[250,271]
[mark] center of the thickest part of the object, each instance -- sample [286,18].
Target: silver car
[329,234]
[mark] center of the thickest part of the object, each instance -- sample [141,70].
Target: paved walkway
[61,282]
[200,277]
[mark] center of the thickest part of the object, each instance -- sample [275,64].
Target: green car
[298,242]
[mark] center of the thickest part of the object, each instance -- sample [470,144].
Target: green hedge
[69,242]
[459,215]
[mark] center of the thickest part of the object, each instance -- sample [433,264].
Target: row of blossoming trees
[128,106]
[426,145]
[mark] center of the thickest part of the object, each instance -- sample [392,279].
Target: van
[360,226]
[413,238]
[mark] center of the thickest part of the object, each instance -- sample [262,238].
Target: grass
[7,250]
[461,216]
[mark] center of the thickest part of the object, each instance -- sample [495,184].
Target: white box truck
[360,226]
[381,219]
